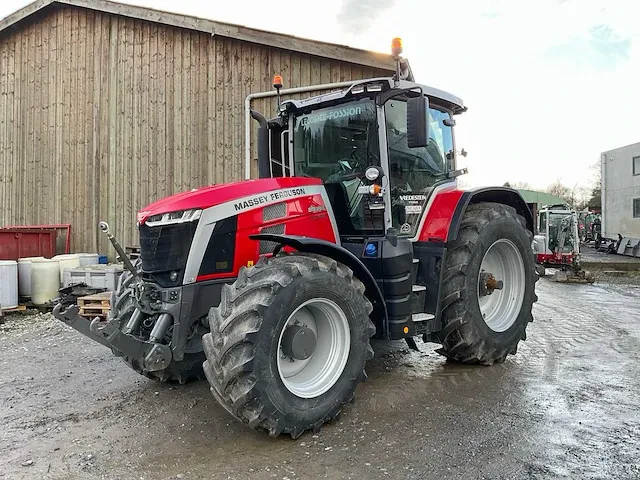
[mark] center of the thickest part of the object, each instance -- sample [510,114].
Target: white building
[621,192]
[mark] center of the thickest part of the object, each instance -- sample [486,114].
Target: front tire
[481,322]
[258,372]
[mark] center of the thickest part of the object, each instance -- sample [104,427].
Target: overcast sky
[549,83]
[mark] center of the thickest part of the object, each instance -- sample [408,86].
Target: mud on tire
[466,337]
[243,346]
[123,306]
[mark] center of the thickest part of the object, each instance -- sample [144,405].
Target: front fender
[339,254]
[504,195]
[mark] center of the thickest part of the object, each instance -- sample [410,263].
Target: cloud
[490,15]
[549,84]
[601,49]
[605,41]
[357,15]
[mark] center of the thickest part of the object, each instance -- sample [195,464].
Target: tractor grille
[266,246]
[272,212]
[166,248]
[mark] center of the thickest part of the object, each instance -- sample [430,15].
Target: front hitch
[72,318]
[153,356]
[117,335]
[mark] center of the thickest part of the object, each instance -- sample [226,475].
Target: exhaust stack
[264,167]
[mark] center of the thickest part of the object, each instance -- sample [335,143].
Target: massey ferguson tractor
[273,288]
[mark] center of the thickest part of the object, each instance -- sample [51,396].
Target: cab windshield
[336,141]
[558,220]
[337,144]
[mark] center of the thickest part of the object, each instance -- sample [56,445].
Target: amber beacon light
[396,46]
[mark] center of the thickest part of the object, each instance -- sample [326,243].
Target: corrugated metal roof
[541,198]
[263,37]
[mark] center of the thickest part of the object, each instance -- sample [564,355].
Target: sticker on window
[330,115]
[407,198]
[413,209]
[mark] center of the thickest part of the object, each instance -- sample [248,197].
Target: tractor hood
[205,197]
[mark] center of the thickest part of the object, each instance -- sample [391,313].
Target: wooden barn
[106,107]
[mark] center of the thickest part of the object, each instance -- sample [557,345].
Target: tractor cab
[380,147]
[557,239]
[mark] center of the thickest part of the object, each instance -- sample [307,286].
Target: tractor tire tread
[230,346]
[459,343]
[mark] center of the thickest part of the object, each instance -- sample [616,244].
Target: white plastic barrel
[24,275]
[45,280]
[71,260]
[87,259]
[8,284]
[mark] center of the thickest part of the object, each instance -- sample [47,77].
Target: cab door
[279,147]
[414,173]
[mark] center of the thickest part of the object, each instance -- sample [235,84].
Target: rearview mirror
[418,122]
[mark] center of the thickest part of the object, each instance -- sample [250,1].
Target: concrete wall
[619,188]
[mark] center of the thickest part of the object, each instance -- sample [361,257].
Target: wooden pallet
[5,311]
[98,305]
[19,308]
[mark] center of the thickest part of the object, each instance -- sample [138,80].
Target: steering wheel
[359,161]
[342,172]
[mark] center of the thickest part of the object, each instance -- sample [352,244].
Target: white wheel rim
[501,308]
[315,375]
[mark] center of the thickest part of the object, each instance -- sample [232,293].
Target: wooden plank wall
[101,115]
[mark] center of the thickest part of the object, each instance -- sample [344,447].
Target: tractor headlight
[172,218]
[372,173]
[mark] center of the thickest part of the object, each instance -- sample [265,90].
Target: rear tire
[246,365]
[481,328]
[190,368]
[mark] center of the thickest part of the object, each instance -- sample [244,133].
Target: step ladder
[418,296]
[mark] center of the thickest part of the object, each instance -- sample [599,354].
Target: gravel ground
[566,406]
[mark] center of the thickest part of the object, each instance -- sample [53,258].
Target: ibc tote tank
[87,259]
[8,284]
[24,275]
[71,260]
[45,280]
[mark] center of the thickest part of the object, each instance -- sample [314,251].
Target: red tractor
[273,288]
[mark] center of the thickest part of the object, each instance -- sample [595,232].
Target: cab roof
[440,97]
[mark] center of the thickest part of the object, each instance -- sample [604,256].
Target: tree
[575,196]
[594,200]
[519,185]
[463,183]
[558,189]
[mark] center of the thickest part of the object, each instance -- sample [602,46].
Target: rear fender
[339,254]
[504,195]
